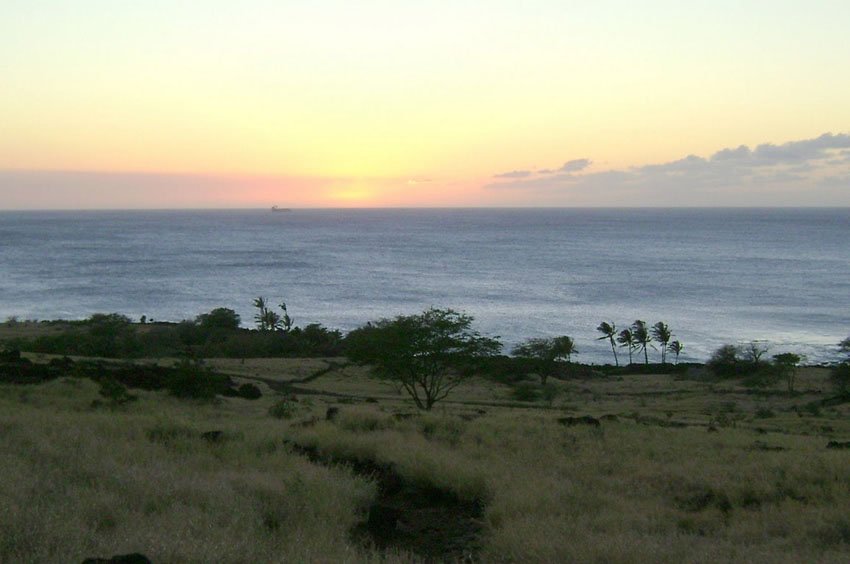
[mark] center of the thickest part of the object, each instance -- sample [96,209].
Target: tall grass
[76,483]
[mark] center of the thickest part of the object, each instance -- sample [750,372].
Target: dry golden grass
[77,481]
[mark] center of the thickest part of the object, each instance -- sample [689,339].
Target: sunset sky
[162,104]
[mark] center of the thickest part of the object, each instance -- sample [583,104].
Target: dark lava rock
[582,420]
[213,436]
[838,444]
[759,445]
[331,413]
[134,558]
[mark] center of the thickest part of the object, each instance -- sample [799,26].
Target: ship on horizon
[279,209]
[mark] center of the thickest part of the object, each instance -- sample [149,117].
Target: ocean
[715,276]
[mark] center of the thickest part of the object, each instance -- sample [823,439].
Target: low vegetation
[283,459]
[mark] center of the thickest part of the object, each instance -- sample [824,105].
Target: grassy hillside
[676,471]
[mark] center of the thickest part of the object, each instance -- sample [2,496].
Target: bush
[526,391]
[249,391]
[115,392]
[192,380]
[762,376]
[284,409]
[840,378]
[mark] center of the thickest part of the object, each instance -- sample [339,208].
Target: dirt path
[427,521]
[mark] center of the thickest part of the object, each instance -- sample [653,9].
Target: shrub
[725,362]
[249,391]
[115,392]
[284,409]
[193,380]
[840,378]
[526,391]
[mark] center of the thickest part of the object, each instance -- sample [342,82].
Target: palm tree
[642,337]
[609,331]
[262,316]
[271,320]
[661,333]
[285,320]
[627,339]
[676,347]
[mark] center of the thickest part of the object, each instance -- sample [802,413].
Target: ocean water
[715,276]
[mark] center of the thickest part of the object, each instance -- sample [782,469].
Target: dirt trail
[427,521]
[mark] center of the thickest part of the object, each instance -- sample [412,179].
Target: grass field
[678,471]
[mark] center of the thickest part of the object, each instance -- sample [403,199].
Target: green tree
[724,361]
[627,339]
[840,374]
[564,347]
[609,333]
[642,337]
[220,318]
[786,363]
[547,352]
[428,354]
[661,333]
[676,347]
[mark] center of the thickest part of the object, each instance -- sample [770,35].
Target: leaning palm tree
[642,337]
[676,348]
[285,320]
[627,339]
[609,332]
[661,333]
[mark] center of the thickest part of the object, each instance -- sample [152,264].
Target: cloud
[575,165]
[792,173]
[514,174]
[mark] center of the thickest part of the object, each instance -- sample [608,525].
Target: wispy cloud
[810,171]
[575,165]
[514,174]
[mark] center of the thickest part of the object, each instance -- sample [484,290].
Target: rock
[331,414]
[213,436]
[134,558]
[759,445]
[582,420]
[838,444]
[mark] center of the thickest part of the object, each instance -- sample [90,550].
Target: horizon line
[401,208]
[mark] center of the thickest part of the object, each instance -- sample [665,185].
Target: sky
[218,104]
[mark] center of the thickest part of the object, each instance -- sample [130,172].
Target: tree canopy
[425,353]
